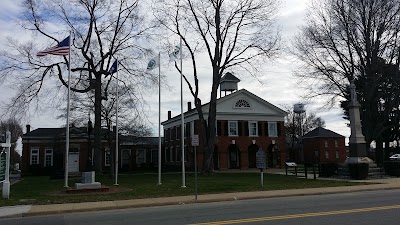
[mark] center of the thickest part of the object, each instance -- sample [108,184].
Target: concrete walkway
[31,210]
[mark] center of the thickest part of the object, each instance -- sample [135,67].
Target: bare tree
[103,31]
[348,40]
[232,33]
[131,117]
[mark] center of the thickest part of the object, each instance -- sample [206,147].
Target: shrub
[392,168]
[328,169]
[358,171]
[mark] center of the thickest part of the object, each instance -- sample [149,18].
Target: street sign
[261,159]
[195,140]
[2,166]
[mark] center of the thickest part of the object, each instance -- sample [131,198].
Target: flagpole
[182,123]
[159,118]
[68,109]
[116,133]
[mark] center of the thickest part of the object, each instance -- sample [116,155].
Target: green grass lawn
[42,190]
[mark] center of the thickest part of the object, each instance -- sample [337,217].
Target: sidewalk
[32,210]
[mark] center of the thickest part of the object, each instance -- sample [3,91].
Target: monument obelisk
[358,162]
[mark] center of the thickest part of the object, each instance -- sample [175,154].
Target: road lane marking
[269,218]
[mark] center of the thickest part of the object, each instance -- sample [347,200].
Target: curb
[153,202]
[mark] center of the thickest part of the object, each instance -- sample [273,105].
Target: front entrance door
[125,159]
[73,162]
[252,155]
[234,157]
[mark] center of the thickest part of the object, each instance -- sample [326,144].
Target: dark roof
[229,77]
[321,132]
[45,132]
[82,132]
[141,140]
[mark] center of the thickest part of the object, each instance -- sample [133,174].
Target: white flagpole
[182,123]
[68,109]
[116,133]
[159,118]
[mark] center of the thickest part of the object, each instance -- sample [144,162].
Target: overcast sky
[278,85]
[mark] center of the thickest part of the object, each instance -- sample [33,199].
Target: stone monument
[88,181]
[358,162]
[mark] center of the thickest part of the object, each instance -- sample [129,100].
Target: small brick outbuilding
[323,145]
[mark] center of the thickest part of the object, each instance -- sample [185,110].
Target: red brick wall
[318,144]
[26,151]
[243,142]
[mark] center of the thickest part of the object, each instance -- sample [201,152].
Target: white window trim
[37,149]
[165,155]
[326,154]
[191,129]
[249,127]
[243,107]
[275,127]
[107,151]
[48,154]
[184,131]
[171,154]
[336,144]
[337,154]
[177,154]
[151,155]
[144,156]
[229,128]
[165,133]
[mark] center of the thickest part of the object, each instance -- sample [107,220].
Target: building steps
[374,171]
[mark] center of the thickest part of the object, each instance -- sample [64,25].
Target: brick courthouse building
[245,123]
[43,151]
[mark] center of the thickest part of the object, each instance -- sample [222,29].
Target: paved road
[367,208]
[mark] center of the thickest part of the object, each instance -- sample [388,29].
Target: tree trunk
[98,165]
[209,131]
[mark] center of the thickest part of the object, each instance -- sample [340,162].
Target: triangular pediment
[245,102]
[240,105]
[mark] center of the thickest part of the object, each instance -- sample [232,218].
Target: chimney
[189,106]
[28,128]
[169,114]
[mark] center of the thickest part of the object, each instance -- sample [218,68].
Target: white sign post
[6,182]
[195,143]
[261,163]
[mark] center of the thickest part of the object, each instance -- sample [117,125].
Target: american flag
[61,49]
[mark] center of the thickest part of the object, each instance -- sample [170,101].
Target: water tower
[300,111]
[298,115]
[228,83]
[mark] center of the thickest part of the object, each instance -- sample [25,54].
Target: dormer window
[241,103]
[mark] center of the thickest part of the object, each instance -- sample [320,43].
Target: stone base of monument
[358,167]
[88,184]
[352,160]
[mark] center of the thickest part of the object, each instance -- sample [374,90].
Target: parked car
[395,157]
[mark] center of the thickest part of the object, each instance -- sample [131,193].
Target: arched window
[241,103]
